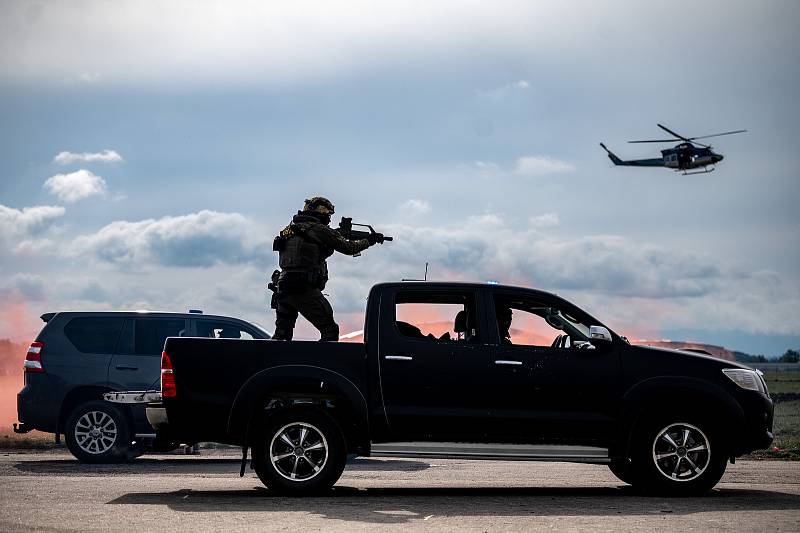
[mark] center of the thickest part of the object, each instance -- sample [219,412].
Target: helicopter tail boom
[614,159]
[633,163]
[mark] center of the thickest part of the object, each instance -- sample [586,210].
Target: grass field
[783,382]
[786,385]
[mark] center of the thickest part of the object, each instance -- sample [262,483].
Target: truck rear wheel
[300,451]
[678,455]
[98,432]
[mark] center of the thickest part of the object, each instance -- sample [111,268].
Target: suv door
[430,374]
[572,386]
[137,363]
[94,337]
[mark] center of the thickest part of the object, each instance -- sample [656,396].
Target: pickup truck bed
[213,377]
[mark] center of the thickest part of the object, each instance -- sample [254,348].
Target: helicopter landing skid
[704,171]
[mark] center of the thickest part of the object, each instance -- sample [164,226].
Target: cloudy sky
[149,152]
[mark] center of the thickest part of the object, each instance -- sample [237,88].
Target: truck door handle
[127,367]
[399,358]
[507,362]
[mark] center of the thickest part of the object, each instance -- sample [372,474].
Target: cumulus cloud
[27,286]
[200,239]
[106,156]
[75,185]
[538,165]
[16,224]
[546,220]
[488,248]
[415,206]
[638,286]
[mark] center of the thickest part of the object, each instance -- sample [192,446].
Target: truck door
[572,386]
[432,358]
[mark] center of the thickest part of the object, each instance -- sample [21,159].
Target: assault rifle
[346,230]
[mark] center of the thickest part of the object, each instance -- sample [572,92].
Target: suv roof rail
[47,317]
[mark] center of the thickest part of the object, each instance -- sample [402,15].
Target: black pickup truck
[442,373]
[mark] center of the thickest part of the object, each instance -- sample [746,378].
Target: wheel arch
[83,394]
[299,380]
[660,393]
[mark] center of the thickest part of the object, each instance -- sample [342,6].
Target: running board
[497,452]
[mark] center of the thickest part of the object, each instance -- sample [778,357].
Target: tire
[623,470]
[301,451]
[677,455]
[98,432]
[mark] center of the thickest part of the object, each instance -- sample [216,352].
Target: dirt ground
[51,491]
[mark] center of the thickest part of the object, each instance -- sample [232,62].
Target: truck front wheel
[678,455]
[300,451]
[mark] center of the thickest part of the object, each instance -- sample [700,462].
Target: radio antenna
[424,279]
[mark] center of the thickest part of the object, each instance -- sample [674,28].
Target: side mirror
[599,333]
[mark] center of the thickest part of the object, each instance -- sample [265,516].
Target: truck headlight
[746,379]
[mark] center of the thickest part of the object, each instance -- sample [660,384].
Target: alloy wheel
[95,432]
[298,451]
[681,452]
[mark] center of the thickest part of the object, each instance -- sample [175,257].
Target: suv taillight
[168,389]
[33,359]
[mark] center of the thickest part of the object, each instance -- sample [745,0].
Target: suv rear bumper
[37,411]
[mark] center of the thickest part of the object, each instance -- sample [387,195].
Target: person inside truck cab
[229,333]
[504,318]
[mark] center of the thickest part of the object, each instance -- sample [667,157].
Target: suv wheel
[301,451]
[678,456]
[98,432]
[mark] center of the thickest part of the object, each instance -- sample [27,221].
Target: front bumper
[757,431]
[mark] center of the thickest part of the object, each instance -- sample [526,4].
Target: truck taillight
[33,359]
[168,389]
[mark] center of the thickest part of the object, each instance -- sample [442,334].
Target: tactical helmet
[319,204]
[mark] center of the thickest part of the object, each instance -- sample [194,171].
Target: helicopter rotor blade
[655,141]
[681,137]
[717,134]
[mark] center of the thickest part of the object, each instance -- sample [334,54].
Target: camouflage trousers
[314,307]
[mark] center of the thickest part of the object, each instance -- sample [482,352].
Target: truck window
[216,329]
[152,332]
[436,317]
[94,334]
[530,323]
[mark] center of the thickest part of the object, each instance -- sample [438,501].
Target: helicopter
[684,157]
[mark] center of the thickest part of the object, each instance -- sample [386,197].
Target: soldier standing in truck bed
[304,245]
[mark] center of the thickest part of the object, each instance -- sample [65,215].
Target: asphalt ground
[50,491]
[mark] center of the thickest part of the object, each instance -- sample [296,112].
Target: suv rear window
[151,333]
[94,334]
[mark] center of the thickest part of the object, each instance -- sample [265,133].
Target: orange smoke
[17,322]
[12,355]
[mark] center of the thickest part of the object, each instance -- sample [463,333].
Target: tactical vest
[302,257]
